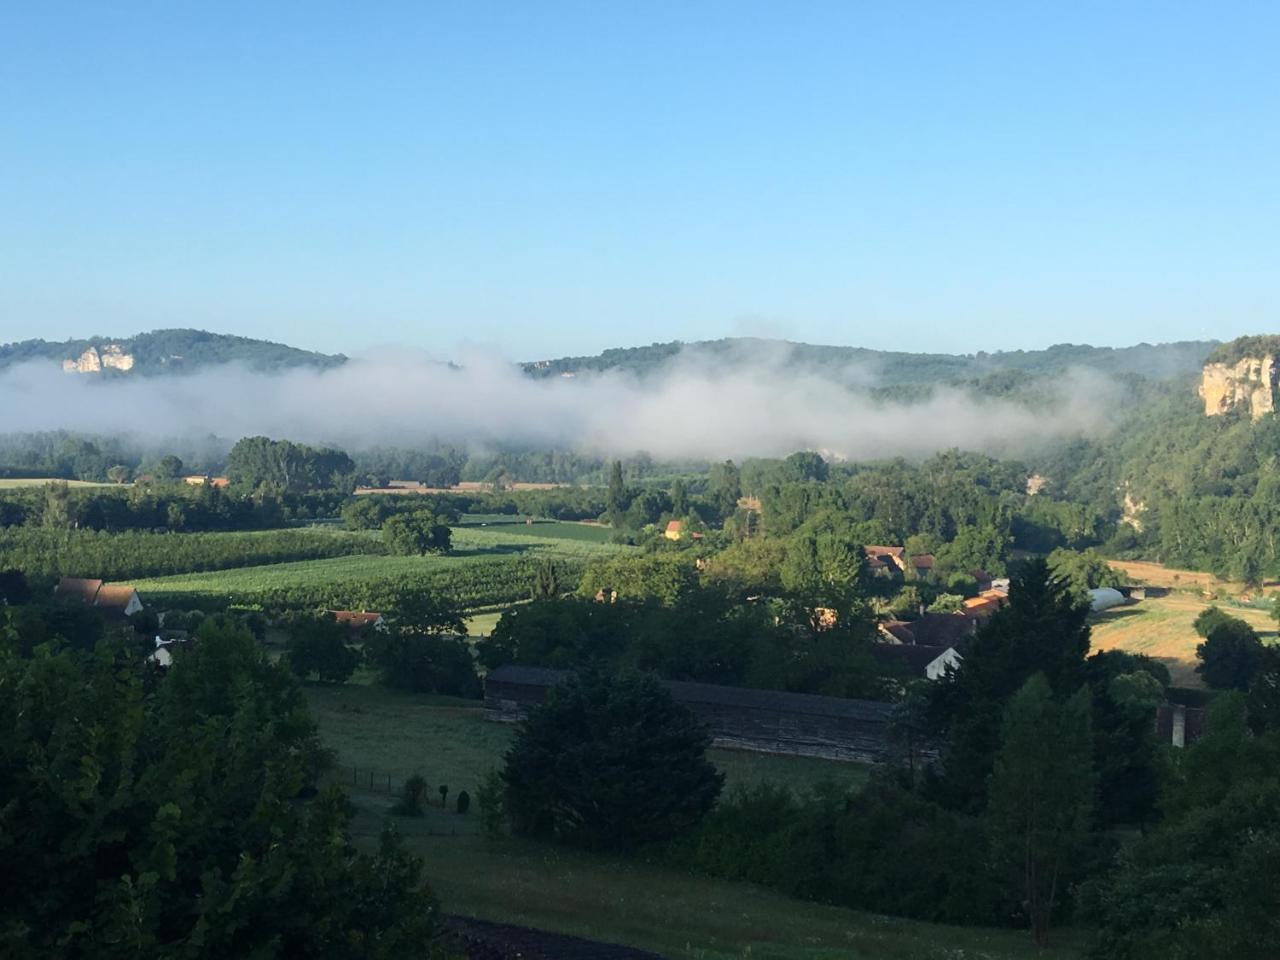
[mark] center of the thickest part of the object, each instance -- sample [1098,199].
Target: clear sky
[557,177]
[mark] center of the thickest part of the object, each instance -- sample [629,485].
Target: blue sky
[561,177]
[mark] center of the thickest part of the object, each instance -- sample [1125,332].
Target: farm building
[675,530]
[767,721]
[1104,598]
[113,599]
[1179,725]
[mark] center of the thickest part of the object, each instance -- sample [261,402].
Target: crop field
[542,529]
[1161,627]
[137,553]
[486,568]
[388,733]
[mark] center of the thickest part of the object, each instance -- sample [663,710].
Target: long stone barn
[766,721]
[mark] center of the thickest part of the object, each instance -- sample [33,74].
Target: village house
[885,560]
[357,621]
[916,662]
[930,630]
[764,721]
[113,599]
[675,529]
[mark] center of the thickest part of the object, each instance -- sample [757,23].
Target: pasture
[447,740]
[619,900]
[1161,627]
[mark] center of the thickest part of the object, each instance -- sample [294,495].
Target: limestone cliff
[1246,383]
[94,360]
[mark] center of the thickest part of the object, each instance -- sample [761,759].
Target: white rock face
[1249,384]
[94,360]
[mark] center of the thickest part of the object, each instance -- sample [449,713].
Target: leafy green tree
[259,464]
[119,473]
[424,648]
[1042,797]
[160,817]
[806,466]
[724,488]
[546,582]
[618,501]
[1211,617]
[318,645]
[425,664]
[1203,884]
[1085,569]
[1042,629]
[607,762]
[168,467]
[1230,655]
[680,506]
[417,534]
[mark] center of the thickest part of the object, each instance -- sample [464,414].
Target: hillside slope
[1152,361]
[163,351]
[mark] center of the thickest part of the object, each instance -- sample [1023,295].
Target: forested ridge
[174,351]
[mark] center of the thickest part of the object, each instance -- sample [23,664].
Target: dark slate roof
[526,676]
[799,703]
[941,629]
[484,940]
[708,693]
[913,658]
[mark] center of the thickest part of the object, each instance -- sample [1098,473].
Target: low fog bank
[689,410]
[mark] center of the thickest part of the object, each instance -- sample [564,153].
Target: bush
[412,797]
[463,803]
[491,799]
[609,761]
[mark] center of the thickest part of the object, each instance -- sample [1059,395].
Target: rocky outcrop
[1248,385]
[95,360]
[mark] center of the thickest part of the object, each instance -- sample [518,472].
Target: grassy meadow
[1161,627]
[619,900]
[447,740]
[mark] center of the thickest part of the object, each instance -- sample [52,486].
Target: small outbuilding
[1104,598]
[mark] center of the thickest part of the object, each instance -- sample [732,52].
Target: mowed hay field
[1161,627]
[602,897]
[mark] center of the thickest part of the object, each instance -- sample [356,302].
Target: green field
[487,567]
[601,897]
[447,740]
[545,529]
[12,484]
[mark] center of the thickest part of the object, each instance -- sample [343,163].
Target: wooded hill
[174,351]
[863,366]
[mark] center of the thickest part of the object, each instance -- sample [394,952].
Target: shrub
[412,797]
[463,803]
